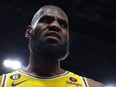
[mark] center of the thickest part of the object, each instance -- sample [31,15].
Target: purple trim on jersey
[4,81]
[84,81]
[44,77]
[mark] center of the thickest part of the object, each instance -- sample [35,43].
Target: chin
[49,50]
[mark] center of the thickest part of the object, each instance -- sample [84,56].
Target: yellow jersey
[22,79]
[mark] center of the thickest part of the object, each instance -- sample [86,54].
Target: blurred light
[16,65]
[7,63]
[110,86]
[12,64]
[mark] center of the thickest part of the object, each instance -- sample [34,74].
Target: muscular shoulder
[93,83]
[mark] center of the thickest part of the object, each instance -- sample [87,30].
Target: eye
[63,24]
[46,19]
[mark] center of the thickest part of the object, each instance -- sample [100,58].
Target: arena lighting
[14,64]
[110,86]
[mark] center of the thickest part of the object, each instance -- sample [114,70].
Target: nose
[55,26]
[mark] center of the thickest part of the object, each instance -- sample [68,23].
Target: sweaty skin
[53,20]
[47,19]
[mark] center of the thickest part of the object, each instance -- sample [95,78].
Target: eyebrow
[46,16]
[57,18]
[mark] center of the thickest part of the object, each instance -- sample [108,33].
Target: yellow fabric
[86,82]
[22,79]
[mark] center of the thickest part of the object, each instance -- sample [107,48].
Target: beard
[48,51]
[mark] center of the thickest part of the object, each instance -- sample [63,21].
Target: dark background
[92,35]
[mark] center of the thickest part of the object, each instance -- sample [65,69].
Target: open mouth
[53,36]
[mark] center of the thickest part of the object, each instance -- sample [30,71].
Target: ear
[28,31]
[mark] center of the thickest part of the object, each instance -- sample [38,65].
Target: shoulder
[93,83]
[0,79]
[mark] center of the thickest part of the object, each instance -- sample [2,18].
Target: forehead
[54,11]
[50,11]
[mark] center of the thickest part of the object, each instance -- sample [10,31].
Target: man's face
[51,35]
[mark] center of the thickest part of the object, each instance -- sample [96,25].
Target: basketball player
[48,37]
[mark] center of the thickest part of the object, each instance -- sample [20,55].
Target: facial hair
[47,50]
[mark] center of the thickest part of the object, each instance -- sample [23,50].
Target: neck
[42,67]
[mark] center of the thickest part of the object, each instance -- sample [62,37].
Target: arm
[93,83]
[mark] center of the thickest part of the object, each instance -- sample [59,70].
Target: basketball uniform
[22,79]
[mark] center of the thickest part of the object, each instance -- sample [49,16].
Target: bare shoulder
[93,83]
